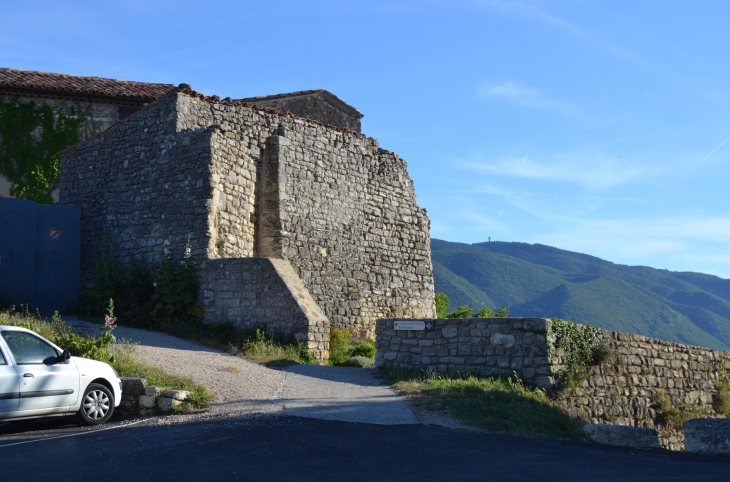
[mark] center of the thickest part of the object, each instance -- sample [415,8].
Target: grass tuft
[495,404]
[722,398]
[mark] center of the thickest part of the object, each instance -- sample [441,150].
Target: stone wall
[138,183]
[622,390]
[264,292]
[341,210]
[250,182]
[484,346]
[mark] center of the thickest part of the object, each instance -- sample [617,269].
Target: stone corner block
[623,436]
[133,386]
[152,391]
[165,403]
[707,436]
[147,401]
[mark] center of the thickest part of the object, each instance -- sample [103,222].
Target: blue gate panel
[40,245]
[17,251]
[58,257]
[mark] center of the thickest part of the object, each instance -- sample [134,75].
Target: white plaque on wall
[409,325]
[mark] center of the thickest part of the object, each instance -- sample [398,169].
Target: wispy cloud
[530,11]
[591,170]
[715,149]
[522,95]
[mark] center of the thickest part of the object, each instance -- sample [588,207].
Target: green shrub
[574,344]
[339,346]
[365,349]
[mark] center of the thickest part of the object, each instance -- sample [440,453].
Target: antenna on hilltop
[490,239]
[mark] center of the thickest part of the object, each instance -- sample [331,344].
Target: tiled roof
[80,85]
[343,105]
[214,99]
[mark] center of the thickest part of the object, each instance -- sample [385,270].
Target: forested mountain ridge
[539,280]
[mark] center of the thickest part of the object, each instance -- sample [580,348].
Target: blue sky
[597,127]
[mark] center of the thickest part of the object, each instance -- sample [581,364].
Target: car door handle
[28,375]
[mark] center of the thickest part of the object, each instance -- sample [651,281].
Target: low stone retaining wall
[139,399]
[624,390]
[485,346]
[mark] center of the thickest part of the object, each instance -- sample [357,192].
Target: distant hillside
[538,280]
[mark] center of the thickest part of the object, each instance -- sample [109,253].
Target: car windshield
[27,348]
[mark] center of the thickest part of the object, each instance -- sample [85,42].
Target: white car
[39,379]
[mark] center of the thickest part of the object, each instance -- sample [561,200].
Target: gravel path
[243,388]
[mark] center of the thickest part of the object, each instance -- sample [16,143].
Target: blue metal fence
[40,254]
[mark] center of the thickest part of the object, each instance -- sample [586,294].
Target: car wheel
[97,405]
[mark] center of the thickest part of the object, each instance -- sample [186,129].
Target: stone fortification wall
[137,183]
[246,182]
[264,292]
[341,210]
[485,346]
[622,390]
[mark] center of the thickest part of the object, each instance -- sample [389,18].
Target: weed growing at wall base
[494,404]
[149,295]
[343,353]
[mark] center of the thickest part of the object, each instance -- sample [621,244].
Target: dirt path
[245,388]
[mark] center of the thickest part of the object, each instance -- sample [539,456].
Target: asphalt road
[285,448]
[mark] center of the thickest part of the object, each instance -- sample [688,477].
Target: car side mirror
[64,357]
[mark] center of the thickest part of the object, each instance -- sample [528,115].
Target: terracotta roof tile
[76,84]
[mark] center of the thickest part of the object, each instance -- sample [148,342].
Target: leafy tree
[442,310]
[442,305]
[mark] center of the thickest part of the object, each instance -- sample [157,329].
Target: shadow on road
[298,449]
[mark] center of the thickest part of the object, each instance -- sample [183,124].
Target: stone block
[623,436]
[133,386]
[152,391]
[147,401]
[707,436]
[450,331]
[166,404]
[180,395]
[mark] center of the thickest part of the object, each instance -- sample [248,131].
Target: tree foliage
[442,310]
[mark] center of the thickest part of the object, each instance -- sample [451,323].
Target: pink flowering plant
[109,325]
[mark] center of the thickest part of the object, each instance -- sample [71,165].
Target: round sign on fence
[54,234]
